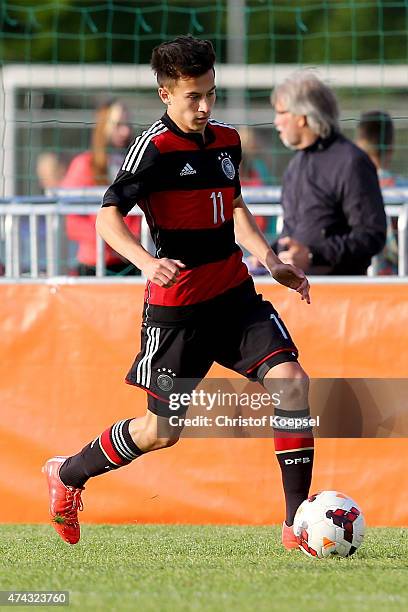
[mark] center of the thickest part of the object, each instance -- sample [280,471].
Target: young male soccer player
[200,302]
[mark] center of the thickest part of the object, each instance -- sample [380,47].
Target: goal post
[19,81]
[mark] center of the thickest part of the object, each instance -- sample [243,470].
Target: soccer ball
[329,523]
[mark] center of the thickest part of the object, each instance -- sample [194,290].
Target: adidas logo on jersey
[188,170]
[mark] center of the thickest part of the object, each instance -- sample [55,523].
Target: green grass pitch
[203,568]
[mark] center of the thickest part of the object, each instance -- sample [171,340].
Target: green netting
[57,115]
[124,31]
[59,118]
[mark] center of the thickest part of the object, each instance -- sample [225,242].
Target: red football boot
[64,502]
[288,537]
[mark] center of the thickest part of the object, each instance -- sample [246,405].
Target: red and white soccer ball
[329,523]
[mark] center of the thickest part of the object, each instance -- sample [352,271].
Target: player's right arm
[131,185]
[112,228]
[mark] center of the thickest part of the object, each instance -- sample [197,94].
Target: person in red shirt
[111,136]
[201,305]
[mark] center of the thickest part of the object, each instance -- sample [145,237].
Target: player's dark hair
[185,56]
[377,129]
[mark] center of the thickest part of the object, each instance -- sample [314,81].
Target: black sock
[294,447]
[110,451]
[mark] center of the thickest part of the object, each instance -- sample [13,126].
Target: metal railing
[52,210]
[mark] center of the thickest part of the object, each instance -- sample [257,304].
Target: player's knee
[166,442]
[291,383]
[155,432]
[154,441]
[296,393]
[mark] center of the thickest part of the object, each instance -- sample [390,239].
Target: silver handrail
[403,241]
[34,246]
[261,201]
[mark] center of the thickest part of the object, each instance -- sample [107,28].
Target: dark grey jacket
[333,204]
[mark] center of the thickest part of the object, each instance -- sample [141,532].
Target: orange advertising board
[66,348]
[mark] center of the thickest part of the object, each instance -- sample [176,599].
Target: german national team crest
[227,166]
[165,381]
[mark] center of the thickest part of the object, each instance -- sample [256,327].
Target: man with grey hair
[334,219]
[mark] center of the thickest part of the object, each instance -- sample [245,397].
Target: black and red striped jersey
[185,184]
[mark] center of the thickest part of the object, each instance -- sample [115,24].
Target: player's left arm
[249,235]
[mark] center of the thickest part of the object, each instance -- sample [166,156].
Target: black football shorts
[179,344]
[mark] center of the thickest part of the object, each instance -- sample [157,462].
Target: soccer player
[200,302]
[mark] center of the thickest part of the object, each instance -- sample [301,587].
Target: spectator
[51,169]
[252,170]
[111,136]
[334,219]
[375,135]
